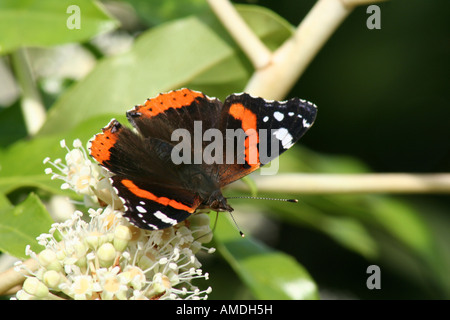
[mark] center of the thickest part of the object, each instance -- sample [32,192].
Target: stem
[274,80]
[353,183]
[32,107]
[292,58]
[252,46]
[11,278]
[276,73]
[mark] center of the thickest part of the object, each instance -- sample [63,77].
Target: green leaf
[19,169]
[402,222]
[20,225]
[348,232]
[268,273]
[12,125]
[183,53]
[159,11]
[4,203]
[266,24]
[45,22]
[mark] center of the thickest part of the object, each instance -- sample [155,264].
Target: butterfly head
[218,202]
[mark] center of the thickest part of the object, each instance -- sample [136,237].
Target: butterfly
[186,146]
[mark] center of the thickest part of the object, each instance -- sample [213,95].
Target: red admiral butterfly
[158,193]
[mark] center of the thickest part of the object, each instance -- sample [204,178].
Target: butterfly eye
[215,205]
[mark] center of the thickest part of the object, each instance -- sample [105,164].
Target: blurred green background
[383,98]
[383,107]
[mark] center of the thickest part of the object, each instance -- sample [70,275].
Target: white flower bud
[77,143]
[52,278]
[106,255]
[48,259]
[23,295]
[122,235]
[95,240]
[161,283]
[35,287]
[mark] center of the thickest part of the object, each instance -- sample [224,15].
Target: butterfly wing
[159,117]
[145,178]
[271,128]
[160,208]
[157,193]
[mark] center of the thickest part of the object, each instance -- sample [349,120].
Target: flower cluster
[102,256]
[83,176]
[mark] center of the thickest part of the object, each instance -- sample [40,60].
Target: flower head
[83,176]
[103,256]
[87,263]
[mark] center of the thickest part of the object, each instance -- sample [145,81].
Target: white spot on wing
[161,216]
[284,136]
[141,209]
[266,118]
[278,115]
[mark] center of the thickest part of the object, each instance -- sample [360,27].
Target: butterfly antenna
[262,198]
[235,223]
[215,222]
[255,198]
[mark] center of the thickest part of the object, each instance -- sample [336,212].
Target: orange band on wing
[174,99]
[103,142]
[150,196]
[248,119]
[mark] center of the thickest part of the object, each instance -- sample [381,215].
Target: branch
[276,73]
[292,58]
[352,183]
[275,79]
[11,278]
[252,46]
